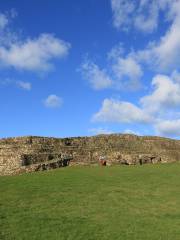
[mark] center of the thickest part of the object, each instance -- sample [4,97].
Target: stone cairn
[27,154]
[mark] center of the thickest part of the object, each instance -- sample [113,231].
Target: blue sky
[75,68]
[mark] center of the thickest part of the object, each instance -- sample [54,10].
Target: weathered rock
[26,154]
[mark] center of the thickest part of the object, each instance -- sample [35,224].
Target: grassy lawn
[123,202]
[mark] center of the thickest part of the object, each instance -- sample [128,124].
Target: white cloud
[125,72]
[6,81]
[163,55]
[10,82]
[129,131]
[175,76]
[97,131]
[24,85]
[3,21]
[145,25]
[98,78]
[164,97]
[141,14]
[34,54]
[158,109]
[168,128]
[121,73]
[167,51]
[53,101]
[116,52]
[122,9]
[128,72]
[123,112]
[8,34]
[166,94]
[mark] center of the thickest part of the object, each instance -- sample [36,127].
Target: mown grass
[89,203]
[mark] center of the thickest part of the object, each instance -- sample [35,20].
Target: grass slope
[141,202]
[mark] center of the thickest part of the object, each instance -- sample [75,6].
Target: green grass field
[139,202]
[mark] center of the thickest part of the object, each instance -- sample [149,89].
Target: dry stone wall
[26,154]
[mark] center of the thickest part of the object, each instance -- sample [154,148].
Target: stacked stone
[25,154]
